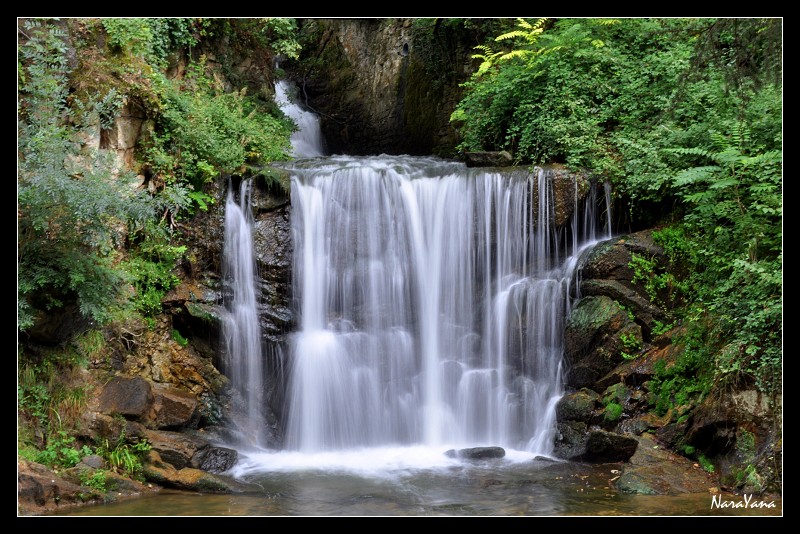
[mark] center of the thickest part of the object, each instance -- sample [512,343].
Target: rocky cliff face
[384,85]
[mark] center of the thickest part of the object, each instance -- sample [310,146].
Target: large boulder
[655,470]
[578,405]
[593,343]
[40,490]
[191,479]
[131,397]
[153,405]
[742,431]
[606,447]
[185,449]
[172,407]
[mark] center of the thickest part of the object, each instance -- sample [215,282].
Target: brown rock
[127,396]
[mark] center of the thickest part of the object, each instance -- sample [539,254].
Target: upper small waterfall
[307,141]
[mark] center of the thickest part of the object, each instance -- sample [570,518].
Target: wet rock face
[272,236]
[488,159]
[384,86]
[593,339]
[578,406]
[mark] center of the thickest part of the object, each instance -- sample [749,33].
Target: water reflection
[532,488]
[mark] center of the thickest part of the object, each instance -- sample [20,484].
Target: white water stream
[431,301]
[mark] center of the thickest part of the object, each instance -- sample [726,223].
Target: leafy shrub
[61,451]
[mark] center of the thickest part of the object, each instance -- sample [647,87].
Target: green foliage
[61,451]
[529,33]
[281,34]
[689,379]
[176,335]
[88,233]
[613,400]
[152,38]
[272,36]
[631,345]
[206,131]
[564,89]
[124,456]
[736,205]
[96,479]
[45,398]
[133,35]
[661,285]
[151,265]
[612,412]
[74,209]
[33,395]
[89,344]
[746,443]
[661,328]
[705,463]
[749,478]
[691,452]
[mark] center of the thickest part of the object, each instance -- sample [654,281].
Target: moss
[613,412]
[594,312]
[200,311]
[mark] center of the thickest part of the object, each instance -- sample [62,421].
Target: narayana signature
[747,502]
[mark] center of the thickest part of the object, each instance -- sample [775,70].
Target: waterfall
[432,300]
[240,325]
[307,141]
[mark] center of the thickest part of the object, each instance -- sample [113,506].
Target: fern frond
[512,34]
[530,31]
[689,151]
[550,50]
[524,23]
[730,156]
[773,157]
[724,183]
[695,175]
[516,53]
[700,197]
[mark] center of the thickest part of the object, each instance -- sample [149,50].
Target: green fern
[530,32]
[689,151]
[696,175]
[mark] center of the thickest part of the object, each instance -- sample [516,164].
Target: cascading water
[307,140]
[432,300]
[240,326]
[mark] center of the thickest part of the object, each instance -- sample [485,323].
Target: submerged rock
[477,453]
